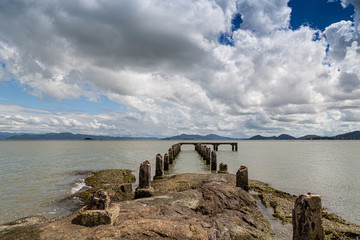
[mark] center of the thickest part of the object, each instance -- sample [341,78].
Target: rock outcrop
[186,206]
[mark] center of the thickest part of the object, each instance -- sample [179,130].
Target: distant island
[65,136]
[70,136]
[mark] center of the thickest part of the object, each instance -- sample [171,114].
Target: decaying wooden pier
[234,145]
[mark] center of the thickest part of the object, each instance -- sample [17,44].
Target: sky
[151,68]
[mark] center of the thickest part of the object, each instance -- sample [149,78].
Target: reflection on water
[35,174]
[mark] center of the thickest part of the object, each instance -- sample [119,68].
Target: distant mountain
[4,135]
[198,137]
[280,137]
[285,137]
[311,137]
[70,136]
[346,136]
[349,136]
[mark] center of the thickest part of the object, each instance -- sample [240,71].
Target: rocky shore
[185,206]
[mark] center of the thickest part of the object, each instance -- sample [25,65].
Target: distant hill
[70,136]
[349,136]
[310,137]
[198,137]
[280,137]
[4,135]
[346,136]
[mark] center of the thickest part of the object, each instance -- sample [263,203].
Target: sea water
[37,177]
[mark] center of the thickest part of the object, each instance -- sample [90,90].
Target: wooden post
[223,168]
[236,146]
[170,156]
[145,174]
[100,201]
[166,162]
[100,211]
[173,152]
[144,189]
[213,161]
[159,172]
[208,156]
[307,224]
[242,179]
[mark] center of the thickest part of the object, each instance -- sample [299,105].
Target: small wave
[78,186]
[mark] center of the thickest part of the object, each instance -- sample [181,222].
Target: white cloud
[162,60]
[263,17]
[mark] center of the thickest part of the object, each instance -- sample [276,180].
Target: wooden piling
[170,156]
[159,172]
[213,161]
[144,189]
[242,179]
[166,162]
[223,168]
[208,155]
[307,224]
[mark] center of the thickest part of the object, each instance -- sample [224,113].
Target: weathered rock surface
[212,208]
[91,218]
[186,206]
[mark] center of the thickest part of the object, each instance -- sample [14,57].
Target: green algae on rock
[283,203]
[116,182]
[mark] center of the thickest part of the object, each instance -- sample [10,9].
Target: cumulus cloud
[162,61]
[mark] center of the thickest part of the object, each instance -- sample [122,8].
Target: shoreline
[281,202]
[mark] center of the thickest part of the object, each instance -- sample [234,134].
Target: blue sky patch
[318,14]
[236,22]
[226,38]
[12,92]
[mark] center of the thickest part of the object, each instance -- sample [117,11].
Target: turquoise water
[36,177]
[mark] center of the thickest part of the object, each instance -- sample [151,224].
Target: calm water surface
[37,176]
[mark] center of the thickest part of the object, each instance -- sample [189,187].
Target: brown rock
[92,218]
[186,206]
